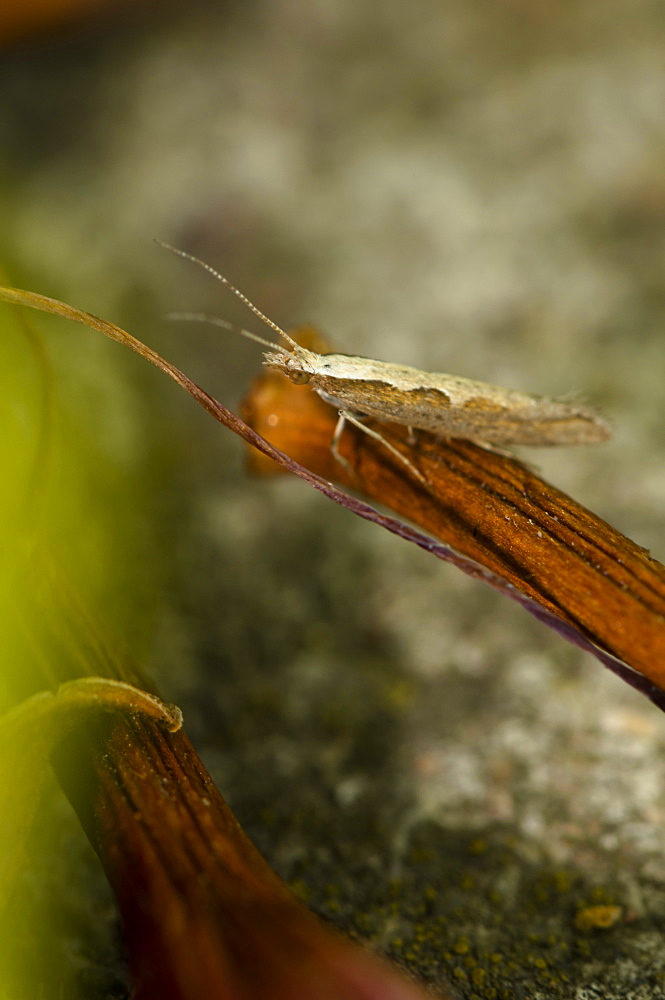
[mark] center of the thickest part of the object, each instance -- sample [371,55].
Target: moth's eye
[299,377]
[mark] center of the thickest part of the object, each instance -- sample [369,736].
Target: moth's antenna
[232,288]
[216,321]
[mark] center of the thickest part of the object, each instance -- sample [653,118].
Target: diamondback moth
[447,405]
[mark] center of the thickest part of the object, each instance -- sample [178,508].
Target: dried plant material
[203,913]
[28,735]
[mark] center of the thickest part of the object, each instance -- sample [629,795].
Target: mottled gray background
[469,187]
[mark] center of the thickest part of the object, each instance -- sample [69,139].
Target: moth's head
[298,363]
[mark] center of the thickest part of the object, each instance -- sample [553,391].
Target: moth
[446,405]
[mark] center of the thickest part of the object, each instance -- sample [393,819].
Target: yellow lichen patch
[597,917]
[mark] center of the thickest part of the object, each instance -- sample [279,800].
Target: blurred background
[474,188]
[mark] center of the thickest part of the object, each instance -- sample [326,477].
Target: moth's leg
[357,421]
[334,444]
